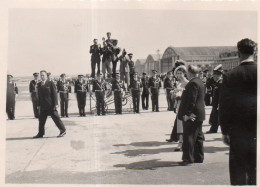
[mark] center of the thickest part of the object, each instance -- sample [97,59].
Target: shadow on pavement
[29,138]
[150,165]
[214,140]
[139,152]
[144,144]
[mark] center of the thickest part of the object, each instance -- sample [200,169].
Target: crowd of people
[233,96]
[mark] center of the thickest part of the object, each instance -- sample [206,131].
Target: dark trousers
[193,138]
[170,100]
[81,99]
[136,100]
[174,135]
[10,112]
[213,120]
[207,99]
[55,117]
[64,103]
[145,101]
[114,63]
[100,102]
[118,102]
[155,102]
[35,105]
[95,61]
[242,159]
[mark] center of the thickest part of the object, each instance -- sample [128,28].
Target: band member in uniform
[155,85]
[217,75]
[115,50]
[33,92]
[118,88]
[49,76]
[124,67]
[81,89]
[136,88]
[48,104]
[11,94]
[169,86]
[64,88]
[99,87]
[95,51]
[145,92]
[131,66]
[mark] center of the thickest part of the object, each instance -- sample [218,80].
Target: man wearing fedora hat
[11,93]
[213,120]
[34,96]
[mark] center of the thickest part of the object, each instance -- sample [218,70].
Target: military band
[145,92]
[34,95]
[99,88]
[64,88]
[118,88]
[81,88]
[136,88]
[155,85]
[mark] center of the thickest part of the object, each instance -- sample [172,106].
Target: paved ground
[112,149]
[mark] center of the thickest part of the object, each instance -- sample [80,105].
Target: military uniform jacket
[99,86]
[81,86]
[238,100]
[118,85]
[168,84]
[192,100]
[33,86]
[131,65]
[47,95]
[154,84]
[135,86]
[145,86]
[95,50]
[63,87]
[10,94]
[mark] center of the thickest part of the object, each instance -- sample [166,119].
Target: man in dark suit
[34,96]
[48,104]
[192,112]
[11,94]
[238,115]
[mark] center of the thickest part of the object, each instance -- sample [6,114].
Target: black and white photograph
[131,96]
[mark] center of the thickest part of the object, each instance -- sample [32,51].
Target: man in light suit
[48,104]
[238,115]
[192,112]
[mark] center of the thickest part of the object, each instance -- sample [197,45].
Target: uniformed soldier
[124,67]
[214,122]
[81,88]
[64,88]
[95,50]
[49,76]
[34,95]
[155,85]
[131,67]
[169,86]
[118,88]
[145,92]
[11,94]
[99,87]
[136,88]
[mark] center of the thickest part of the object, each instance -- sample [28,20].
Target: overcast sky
[58,40]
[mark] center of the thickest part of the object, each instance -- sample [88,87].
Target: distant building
[152,62]
[202,56]
[229,60]
[140,65]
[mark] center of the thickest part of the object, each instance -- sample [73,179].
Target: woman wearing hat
[182,81]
